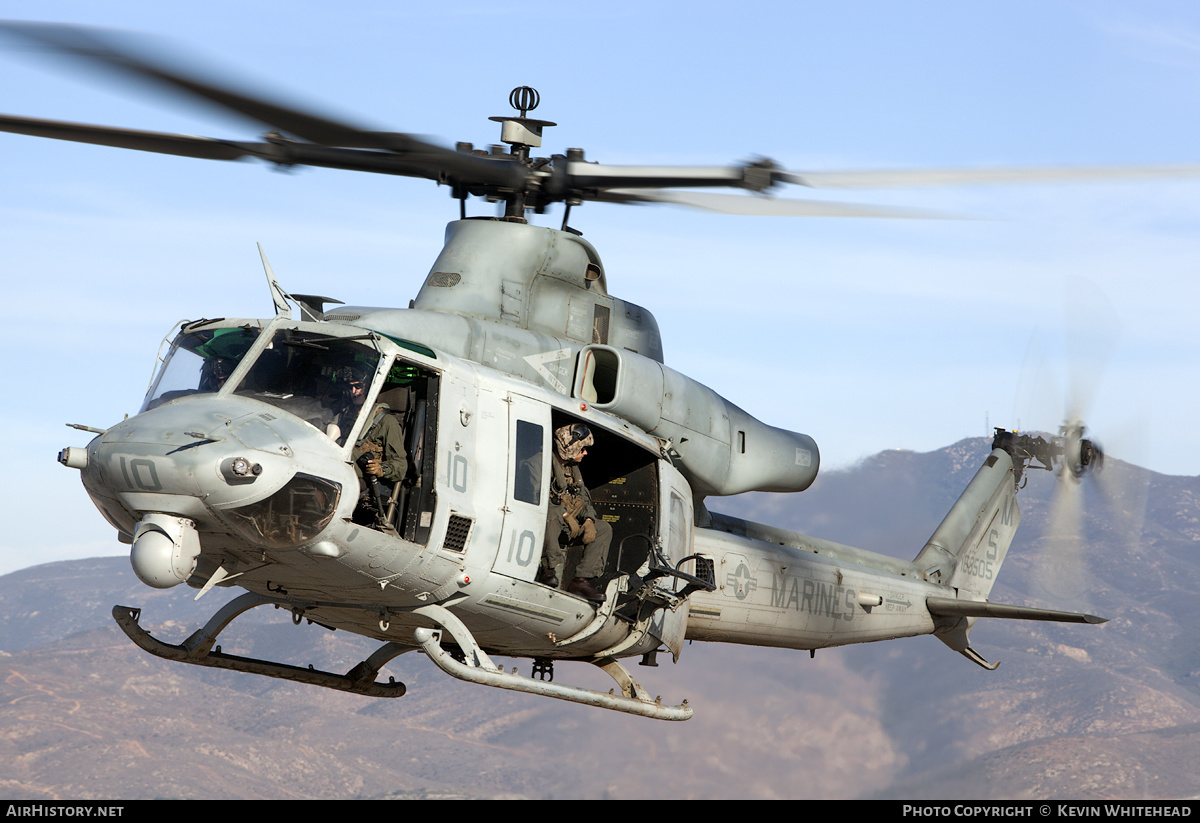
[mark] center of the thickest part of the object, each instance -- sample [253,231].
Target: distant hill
[1110,711]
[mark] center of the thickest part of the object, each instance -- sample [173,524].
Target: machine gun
[375,493]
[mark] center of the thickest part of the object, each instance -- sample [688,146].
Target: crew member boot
[583,587]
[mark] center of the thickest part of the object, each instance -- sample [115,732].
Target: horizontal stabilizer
[949,607]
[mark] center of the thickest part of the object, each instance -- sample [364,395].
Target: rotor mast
[521,133]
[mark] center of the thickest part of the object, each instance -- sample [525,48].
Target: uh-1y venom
[240,469]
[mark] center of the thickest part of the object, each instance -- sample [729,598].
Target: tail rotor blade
[1092,327]
[1059,568]
[1089,328]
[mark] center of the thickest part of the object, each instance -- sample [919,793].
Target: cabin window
[322,380]
[293,515]
[199,363]
[527,482]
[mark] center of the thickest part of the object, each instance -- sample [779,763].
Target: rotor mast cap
[522,131]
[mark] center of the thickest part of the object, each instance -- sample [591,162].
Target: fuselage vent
[457,532]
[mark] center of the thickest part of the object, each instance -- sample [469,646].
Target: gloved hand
[572,508]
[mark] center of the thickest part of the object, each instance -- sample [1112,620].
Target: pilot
[221,356]
[379,453]
[573,521]
[214,372]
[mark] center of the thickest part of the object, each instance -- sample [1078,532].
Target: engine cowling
[722,449]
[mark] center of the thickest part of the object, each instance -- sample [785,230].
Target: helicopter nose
[200,465]
[192,450]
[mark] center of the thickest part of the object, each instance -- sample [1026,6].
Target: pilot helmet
[571,440]
[214,371]
[347,375]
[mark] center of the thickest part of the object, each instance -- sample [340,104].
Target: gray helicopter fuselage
[242,485]
[242,470]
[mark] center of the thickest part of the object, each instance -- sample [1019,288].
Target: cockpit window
[199,362]
[320,379]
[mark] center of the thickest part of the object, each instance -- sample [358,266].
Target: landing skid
[476,667]
[198,650]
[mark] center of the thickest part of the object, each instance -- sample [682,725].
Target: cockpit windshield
[199,362]
[321,379]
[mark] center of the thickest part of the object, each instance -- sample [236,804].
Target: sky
[865,334]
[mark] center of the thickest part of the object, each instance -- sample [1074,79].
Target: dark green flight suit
[558,533]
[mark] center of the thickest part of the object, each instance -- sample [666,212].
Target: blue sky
[866,334]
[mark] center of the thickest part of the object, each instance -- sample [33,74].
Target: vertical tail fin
[967,549]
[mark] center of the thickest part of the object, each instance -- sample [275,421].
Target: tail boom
[780,588]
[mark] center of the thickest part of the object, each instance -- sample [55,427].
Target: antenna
[522,133]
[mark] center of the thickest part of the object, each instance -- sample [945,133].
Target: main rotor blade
[749,204]
[161,142]
[93,47]
[916,178]
[281,152]
[421,157]
[599,176]
[762,175]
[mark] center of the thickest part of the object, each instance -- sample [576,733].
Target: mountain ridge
[1108,711]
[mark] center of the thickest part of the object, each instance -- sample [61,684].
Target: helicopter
[239,469]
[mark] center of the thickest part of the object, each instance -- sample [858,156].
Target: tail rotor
[1059,569]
